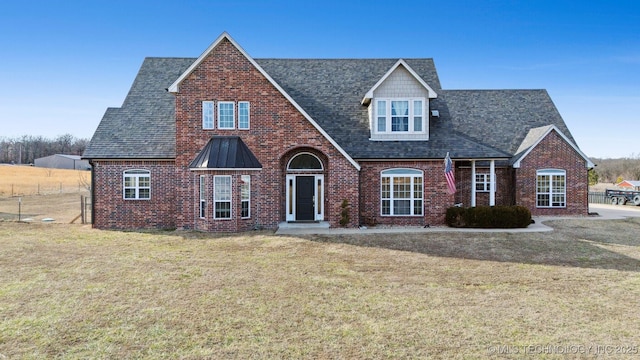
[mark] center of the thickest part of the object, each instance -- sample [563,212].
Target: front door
[304,198]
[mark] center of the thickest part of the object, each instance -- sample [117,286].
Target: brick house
[230,143]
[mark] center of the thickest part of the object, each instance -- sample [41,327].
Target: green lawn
[72,292]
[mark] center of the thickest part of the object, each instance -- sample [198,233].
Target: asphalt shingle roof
[144,127]
[501,118]
[472,123]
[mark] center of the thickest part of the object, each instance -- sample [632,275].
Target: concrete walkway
[604,212]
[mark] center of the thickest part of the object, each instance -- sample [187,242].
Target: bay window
[203,198]
[222,197]
[245,193]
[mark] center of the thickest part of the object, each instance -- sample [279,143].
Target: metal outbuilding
[61,161]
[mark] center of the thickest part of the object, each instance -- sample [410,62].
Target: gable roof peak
[535,136]
[369,95]
[174,88]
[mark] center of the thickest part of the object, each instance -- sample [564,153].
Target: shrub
[455,216]
[344,213]
[503,217]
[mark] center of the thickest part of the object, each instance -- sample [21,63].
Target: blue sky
[62,63]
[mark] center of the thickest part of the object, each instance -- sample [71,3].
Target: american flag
[448,174]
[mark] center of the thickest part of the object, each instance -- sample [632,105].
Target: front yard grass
[72,292]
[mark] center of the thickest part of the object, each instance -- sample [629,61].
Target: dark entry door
[304,198]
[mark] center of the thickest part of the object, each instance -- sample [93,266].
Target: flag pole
[448,174]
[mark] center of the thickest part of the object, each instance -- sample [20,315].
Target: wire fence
[11,190]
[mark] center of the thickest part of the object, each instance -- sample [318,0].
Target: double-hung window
[483,182]
[245,190]
[400,115]
[207,114]
[243,115]
[137,184]
[401,192]
[226,115]
[551,189]
[203,196]
[222,197]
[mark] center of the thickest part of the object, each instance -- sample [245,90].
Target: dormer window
[400,115]
[398,105]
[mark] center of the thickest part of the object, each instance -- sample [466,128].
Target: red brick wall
[111,211]
[553,153]
[277,129]
[436,199]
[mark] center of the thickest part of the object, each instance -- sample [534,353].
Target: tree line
[613,171]
[25,149]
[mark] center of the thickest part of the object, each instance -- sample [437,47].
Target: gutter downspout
[93,194]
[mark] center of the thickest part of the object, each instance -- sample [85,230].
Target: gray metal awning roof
[225,152]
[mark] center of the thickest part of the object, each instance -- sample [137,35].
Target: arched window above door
[305,162]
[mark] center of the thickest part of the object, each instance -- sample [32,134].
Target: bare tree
[610,170]
[84,181]
[27,148]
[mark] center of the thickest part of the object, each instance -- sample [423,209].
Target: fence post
[82,208]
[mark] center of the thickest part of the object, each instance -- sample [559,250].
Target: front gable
[398,105]
[405,73]
[222,42]
[551,174]
[535,136]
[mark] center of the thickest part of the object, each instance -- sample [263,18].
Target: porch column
[473,183]
[492,189]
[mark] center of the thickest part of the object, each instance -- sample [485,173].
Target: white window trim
[203,197]
[204,115]
[233,115]
[248,200]
[305,170]
[398,172]
[486,182]
[248,115]
[551,173]
[230,201]
[136,174]
[388,116]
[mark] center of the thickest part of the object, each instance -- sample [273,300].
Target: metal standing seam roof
[225,152]
[472,123]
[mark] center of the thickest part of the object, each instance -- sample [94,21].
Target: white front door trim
[290,191]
